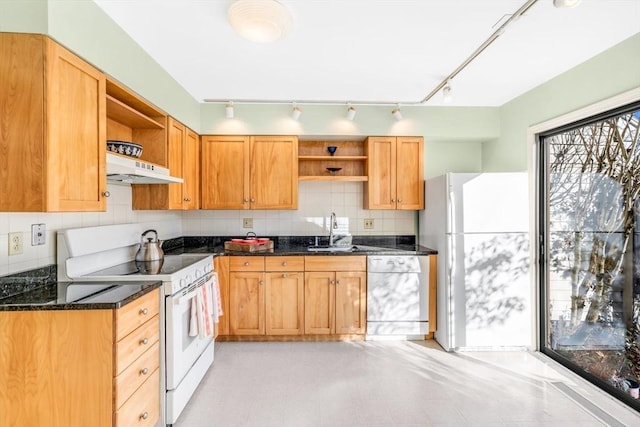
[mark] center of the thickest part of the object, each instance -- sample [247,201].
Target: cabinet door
[75,147]
[225,172]
[351,309]
[274,172]
[284,303]
[319,302]
[177,135]
[380,190]
[191,170]
[246,301]
[410,173]
[222,269]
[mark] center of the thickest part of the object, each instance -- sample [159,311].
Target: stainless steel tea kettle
[151,250]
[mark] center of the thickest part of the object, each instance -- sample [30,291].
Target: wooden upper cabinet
[395,166]
[53,128]
[274,172]
[225,172]
[249,172]
[183,151]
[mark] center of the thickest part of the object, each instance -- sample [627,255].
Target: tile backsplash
[316,202]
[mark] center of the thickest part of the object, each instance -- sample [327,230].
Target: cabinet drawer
[284,263]
[143,408]
[246,263]
[136,313]
[135,374]
[137,342]
[335,263]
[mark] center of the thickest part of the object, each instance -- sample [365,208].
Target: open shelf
[122,113]
[314,159]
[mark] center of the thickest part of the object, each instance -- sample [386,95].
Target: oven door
[184,345]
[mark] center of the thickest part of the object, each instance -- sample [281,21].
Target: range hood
[126,170]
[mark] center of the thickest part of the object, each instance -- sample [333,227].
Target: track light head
[351,112]
[229,110]
[296,112]
[447,96]
[566,3]
[396,113]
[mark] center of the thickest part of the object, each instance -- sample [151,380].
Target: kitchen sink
[327,248]
[354,248]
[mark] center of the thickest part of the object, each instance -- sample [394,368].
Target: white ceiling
[374,50]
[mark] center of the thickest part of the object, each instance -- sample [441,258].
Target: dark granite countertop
[78,296]
[297,245]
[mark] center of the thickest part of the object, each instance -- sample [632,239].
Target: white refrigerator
[479,224]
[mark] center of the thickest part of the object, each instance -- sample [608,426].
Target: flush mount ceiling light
[260,21]
[447,96]
[296,112]
[566,3]
[229,110]
[396,113]
[351,113]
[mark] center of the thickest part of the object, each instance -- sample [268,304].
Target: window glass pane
[592,289]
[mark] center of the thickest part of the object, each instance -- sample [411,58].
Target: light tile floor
[392,383]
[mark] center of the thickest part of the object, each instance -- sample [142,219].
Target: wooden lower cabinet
[266,295]
[68,368]
[335,301]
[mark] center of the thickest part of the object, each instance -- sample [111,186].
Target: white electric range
[107,254]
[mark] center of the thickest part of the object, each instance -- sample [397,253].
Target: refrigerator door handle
[451,211]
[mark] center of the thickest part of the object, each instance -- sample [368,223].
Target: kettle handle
[150,231]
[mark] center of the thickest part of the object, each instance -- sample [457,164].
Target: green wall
[458,139]
[612,72]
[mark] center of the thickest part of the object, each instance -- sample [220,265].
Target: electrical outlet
[368,223]
[37,234]
[15,243]
[247,222]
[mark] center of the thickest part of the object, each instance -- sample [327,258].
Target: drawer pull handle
[144,371]
[284,275]
[144,311]
[144,341]
[246,264]
[284,263]
[144,416]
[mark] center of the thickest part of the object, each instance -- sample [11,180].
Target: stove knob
[198,273]
[183,284]
[208,267]
[188,278]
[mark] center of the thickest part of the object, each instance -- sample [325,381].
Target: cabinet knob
[106,194]
[393,200]
[144,341]
[144,371]
[284,263]
[253,200]
[337,282]
[284,275]
[246,200]
[144,416]
[333,282]
[399,201]
[187,199]
[246,264]
[261,282]
[144,311]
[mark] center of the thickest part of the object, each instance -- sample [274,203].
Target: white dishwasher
[397,297]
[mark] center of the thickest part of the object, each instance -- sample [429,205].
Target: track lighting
[447,96]
[296,112]
[396,113]
[566,3]
[229,110]
[351,113]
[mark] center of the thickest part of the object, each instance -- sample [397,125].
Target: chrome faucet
[333,225]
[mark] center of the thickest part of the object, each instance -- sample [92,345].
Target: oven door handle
[188,296]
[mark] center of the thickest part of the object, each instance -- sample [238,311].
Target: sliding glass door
[590,236]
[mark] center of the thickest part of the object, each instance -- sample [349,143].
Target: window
[590,274]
